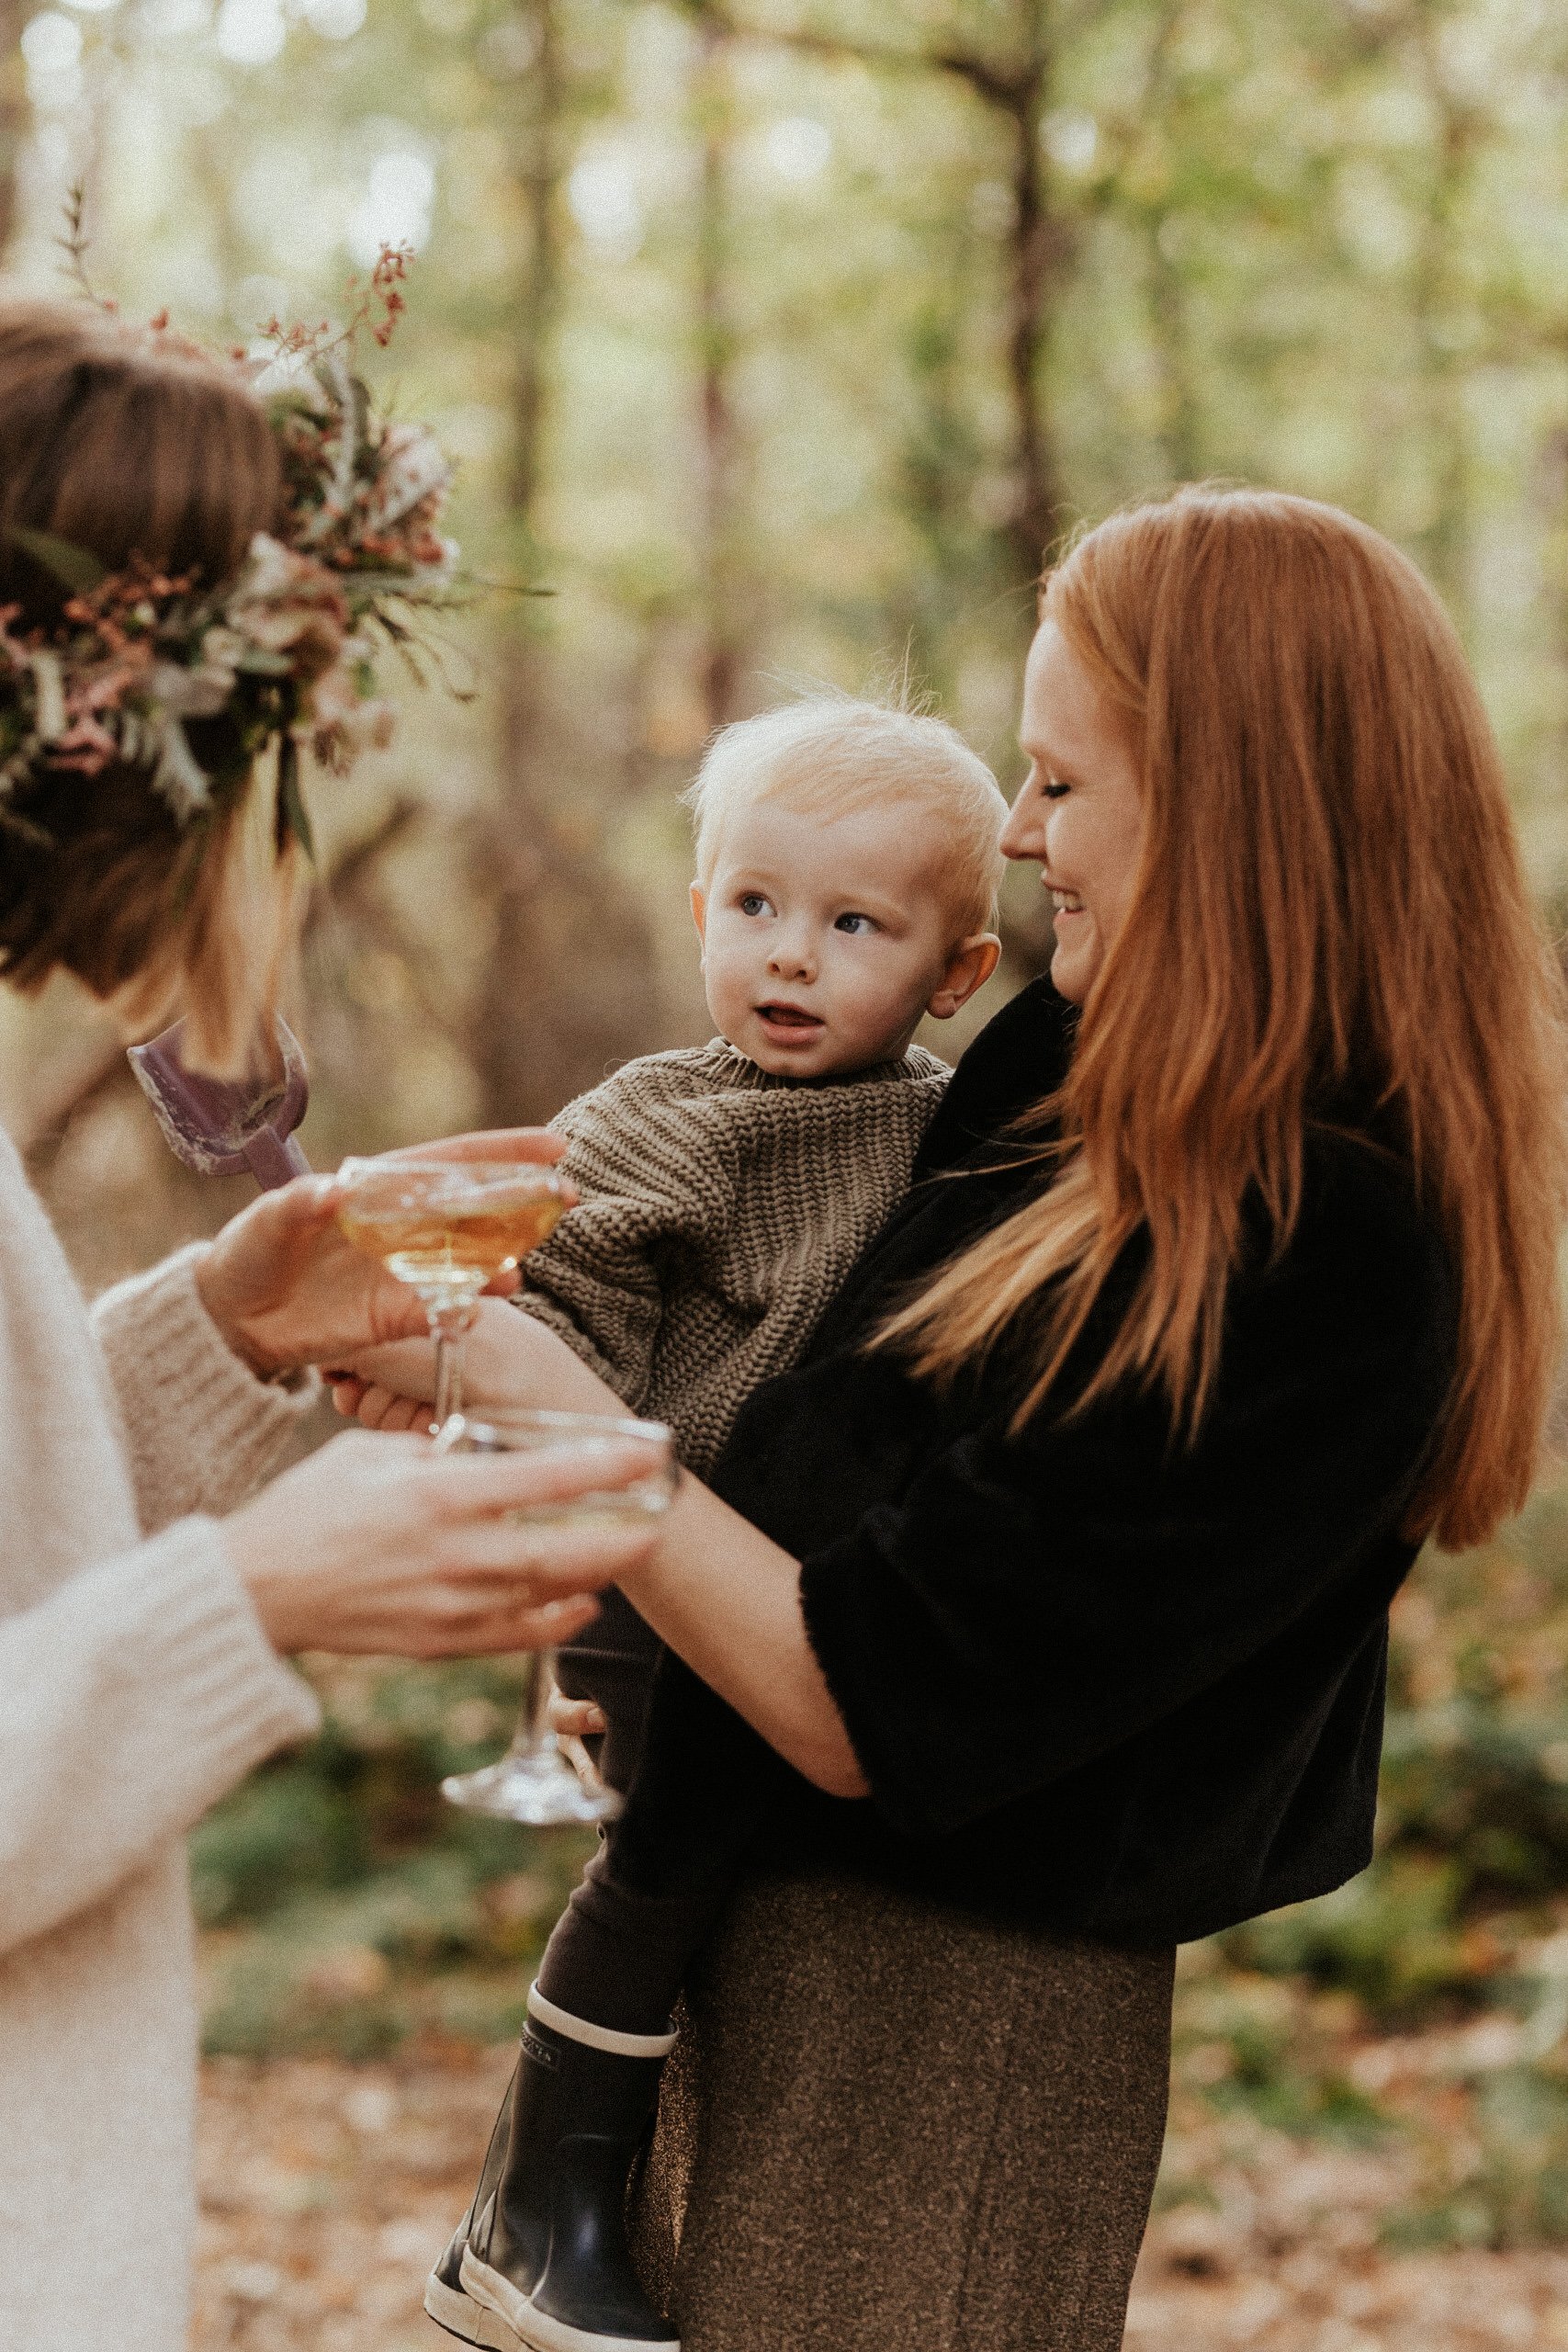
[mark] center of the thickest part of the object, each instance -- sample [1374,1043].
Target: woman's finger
[487,1633]
[555,1474]
[489,1143]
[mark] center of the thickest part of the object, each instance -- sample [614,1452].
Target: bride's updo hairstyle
[130,444]
[1330,925]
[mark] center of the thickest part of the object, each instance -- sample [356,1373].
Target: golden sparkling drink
[486,1237]
[446,1227]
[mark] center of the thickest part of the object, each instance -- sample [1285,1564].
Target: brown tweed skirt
[891,2125]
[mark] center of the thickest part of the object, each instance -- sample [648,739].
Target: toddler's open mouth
[789,1020]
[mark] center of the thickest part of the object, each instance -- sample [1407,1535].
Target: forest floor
[328,2187]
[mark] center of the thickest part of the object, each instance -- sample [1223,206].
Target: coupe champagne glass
[448,1227]
[533,1783]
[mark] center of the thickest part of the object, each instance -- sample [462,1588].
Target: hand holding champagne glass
[448,1227]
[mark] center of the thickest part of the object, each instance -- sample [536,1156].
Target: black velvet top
[1094,1678]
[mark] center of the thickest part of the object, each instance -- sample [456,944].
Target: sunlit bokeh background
[778,340]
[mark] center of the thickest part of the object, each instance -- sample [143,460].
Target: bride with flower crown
[193,579]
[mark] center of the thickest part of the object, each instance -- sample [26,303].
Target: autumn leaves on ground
[328,2188]
[1368,2142]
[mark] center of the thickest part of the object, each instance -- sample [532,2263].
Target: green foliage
[347,1905]
[1394,1936]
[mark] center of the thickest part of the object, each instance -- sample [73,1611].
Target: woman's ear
[969,966]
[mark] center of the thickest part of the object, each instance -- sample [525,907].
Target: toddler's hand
[573,1721]
[388,1388]
[575,1718]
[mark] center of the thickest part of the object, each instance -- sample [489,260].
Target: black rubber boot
[548,2254]
[444,2299]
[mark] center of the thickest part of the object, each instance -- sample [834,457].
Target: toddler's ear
[700,911]
[969,966]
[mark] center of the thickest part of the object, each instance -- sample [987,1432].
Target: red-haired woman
[1045,1607]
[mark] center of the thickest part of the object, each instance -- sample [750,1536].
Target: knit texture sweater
[721,1209]
[136,1686]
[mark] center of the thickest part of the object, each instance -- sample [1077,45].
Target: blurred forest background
[778,340]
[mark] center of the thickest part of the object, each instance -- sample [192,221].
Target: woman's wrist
[512,1358]
[218,1307]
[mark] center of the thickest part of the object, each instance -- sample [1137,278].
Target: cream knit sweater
[136,1686]
[721,1209]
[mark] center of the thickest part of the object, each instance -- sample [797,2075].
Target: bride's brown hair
[1330,910]
[129,443]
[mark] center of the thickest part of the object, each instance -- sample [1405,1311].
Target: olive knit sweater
[721,1209]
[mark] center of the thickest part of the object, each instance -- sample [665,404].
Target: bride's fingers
[540,1144]
[526,1625]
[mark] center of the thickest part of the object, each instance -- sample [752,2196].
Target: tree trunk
[1181,424]
[569,987]
[1037,247]
[1445,543]
[14,118]
[723,589]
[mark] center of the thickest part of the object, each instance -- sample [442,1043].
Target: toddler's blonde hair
[840,755]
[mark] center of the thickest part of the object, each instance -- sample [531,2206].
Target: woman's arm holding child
[723,1597]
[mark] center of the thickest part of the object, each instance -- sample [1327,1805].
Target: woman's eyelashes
[1052,790]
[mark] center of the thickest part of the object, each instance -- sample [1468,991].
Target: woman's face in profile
[1079,813]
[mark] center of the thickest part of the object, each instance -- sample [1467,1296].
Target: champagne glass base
[541,1790]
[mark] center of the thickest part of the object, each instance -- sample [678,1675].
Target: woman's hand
[511,1359]
[377,1545]
[284,1288]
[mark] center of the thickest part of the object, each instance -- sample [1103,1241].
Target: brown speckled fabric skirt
[891,2127]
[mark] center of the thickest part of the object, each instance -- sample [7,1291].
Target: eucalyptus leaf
[76,567]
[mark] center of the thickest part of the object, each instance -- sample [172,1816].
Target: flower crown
[288,651]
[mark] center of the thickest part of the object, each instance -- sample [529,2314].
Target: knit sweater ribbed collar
[734,1069]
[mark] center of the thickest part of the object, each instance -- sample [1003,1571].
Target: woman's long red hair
[1330,909]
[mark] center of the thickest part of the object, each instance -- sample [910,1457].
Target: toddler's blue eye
[854,924]
[753,903]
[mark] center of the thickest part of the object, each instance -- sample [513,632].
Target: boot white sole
[462,2316]
[536,2329]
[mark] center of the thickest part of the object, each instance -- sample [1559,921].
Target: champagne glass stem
[449,1327]
[535,1725]
[448,1374]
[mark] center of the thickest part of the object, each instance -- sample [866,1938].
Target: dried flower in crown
[286,654]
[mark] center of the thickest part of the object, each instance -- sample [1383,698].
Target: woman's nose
[1023,835]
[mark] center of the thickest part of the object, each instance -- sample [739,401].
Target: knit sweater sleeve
[137,1684]
[132,1699]
[202,1433]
